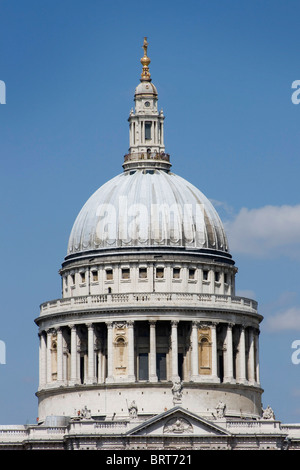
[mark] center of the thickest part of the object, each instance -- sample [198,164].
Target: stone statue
[177,392]
[133,410]
[220,410]
[85,413]
[268,413]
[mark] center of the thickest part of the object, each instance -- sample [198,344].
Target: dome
[145,88]
[148,208]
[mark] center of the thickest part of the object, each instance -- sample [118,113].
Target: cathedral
[149,347]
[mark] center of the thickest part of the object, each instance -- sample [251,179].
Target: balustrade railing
[180,299]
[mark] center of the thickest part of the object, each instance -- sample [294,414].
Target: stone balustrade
[132,300]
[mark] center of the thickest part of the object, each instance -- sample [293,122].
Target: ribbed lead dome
[147,208]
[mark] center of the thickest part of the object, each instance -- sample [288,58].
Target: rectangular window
[205,275]
[176,273]
[109,274]
[148,125]
[95,276]
[73,278]
[82,277]
[143,366]
[125,273]
[226,278]
[192,273]
[159,273]
[161,366]
[217,276]
[143,273]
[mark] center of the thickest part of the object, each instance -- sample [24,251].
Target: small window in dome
[95,276]
[142,273]
[205,275]
[217,276]
[226,278]
[176,273]
[125,273]
[109,274]
[159,273]
[73,278]
[82,277]
[192,273]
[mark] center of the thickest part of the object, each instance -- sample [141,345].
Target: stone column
[214,353]
[43,360]
[229,355]
[251,361]
[195,355]
[152,356]
[100,360]
[242,357]
[91,355]
[131,376]
[49,357]
[59,356]
[257,357]
[109,377]
[161,132]
[73,375]
[174,345]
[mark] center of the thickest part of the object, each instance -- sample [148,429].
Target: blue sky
[224,71]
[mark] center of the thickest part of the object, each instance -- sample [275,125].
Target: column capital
[204,324]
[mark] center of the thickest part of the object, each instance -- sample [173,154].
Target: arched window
[204,355]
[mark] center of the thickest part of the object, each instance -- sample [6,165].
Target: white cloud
[287,320]
[266,231]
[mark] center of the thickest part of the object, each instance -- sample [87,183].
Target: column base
[242,381]
[229,380]
[91,381]
[153,378]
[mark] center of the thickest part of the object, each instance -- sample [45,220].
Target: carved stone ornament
[268,413]
[120,325]
[178,426]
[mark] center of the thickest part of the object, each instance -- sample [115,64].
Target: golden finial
[145,61]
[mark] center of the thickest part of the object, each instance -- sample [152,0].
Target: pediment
[178,422]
